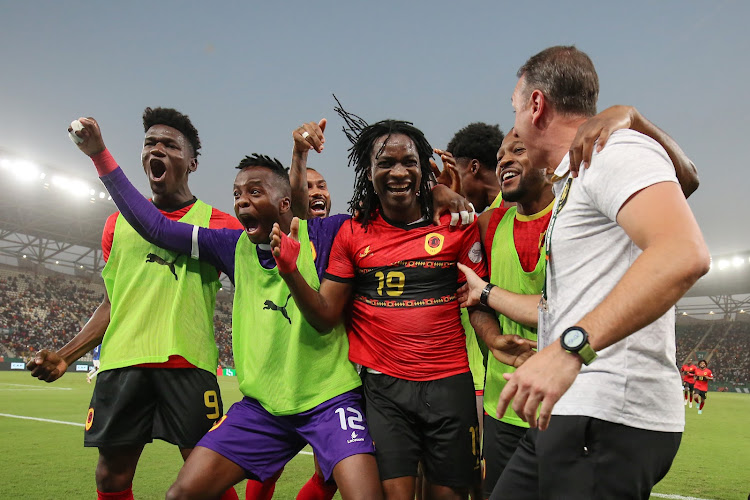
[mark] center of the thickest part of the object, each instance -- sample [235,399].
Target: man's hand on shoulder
[47,366]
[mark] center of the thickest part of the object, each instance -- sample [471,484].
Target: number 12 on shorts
[353,420]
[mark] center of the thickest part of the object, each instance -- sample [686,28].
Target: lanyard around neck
[559,204]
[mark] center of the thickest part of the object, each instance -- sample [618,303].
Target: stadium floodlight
[684,313]
[42,176]
[25,171]
[79,188]
[710,312]
[101,195]
[57,262]
[24,256]
[738,261]
[723,264]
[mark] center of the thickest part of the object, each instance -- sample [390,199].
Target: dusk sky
[249,73]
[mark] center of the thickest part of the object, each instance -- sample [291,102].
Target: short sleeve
[471,253]
[340,264]
[629,163]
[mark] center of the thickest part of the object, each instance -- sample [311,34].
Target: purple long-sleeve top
[215,246]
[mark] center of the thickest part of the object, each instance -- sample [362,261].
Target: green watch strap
[587,354]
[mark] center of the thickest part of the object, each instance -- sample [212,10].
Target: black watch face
[574,339]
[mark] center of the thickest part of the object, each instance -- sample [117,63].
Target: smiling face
[396,175]
[260,198]
[320,198]
[519,180]
[167,158]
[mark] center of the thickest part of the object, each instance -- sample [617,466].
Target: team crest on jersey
[433,243]
[90,419]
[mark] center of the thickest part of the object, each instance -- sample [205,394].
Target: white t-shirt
[634,382]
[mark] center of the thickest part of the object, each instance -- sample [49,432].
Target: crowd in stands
[731,359]
[46,312]
[726,348]
[38,311]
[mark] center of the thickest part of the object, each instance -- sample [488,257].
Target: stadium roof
[50,217]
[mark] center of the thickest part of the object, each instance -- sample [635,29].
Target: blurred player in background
[702,375]
[95,361]
[688,381]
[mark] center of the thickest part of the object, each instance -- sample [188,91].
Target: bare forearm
[517,307]
[653,284]
[90,336]
[298,180]
[686,172]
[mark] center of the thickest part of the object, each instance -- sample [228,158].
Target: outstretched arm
[601,126]
[515,306]
[306,137]
[145,218]
[323,308]
[50,366]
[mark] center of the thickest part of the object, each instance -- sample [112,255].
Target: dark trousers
[583,457]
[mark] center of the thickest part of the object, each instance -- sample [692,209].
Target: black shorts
[133,406]
[698,392]
[434,422]
[499,442]
[688,385]
[584,457]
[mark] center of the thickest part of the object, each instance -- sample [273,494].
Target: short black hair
[478,141]
[173,118]
[702,361]
[567,78]
[265,161]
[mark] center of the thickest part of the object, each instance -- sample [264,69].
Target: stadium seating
[46,311]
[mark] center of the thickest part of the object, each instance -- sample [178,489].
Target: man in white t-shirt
[622,248]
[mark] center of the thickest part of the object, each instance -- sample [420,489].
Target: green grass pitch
[47,460]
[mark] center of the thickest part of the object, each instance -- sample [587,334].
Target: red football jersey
[688,377]
[405,319]
[701,378]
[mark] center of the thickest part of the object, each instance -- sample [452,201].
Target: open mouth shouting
[157,169]
[252,226]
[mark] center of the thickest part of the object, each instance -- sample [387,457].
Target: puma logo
[152,257]
[270,305]
[365,252]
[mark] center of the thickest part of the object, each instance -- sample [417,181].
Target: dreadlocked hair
[173,118]
[363,137]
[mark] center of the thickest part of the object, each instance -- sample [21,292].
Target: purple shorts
[262,443]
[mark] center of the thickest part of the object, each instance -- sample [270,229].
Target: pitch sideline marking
[676,497]
[41,419]
[79,425]
[34,387]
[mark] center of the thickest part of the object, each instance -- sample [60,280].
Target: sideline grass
[48,461]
